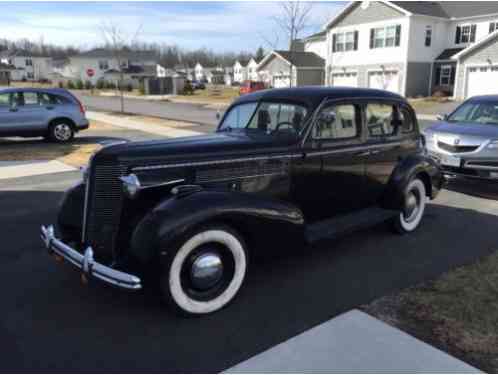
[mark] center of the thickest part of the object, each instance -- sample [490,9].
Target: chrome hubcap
[62,132]
[412,206]
[206,271]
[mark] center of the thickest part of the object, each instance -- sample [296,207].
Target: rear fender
[414,165]
[258,219]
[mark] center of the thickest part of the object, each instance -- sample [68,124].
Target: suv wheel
[61,132]
[206,272]
[411,216]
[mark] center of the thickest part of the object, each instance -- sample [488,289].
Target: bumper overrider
[86,263]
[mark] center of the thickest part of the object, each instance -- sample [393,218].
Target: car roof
[34,89]
[483,98]
[314,95]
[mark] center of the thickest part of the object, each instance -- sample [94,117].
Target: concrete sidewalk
[16,169]
[129,123]
[353,342]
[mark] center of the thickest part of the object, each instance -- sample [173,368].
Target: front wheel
[206,272]
[414,207]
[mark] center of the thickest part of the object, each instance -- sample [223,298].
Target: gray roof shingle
[302,59]
[447,54]
[449,9]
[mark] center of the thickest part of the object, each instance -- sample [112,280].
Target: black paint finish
[270,187]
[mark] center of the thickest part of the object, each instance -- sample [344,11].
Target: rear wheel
[206,272]
[61,131]
[414,207]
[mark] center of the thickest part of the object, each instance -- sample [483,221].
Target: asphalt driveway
[49,322]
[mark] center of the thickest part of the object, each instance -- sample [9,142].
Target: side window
[337,122]
[382,120]
[30,98]
[407,123]
[17,99]
[5,100]
[48,99]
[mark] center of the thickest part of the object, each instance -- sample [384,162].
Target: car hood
[186,149]
[465,129]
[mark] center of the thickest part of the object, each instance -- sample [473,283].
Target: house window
[30,75]
[103,65]
[29,62]
[428,36]
[465,34]
[445,77]
[381,37]
[345,41]
[493,26]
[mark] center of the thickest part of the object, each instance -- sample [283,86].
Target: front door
[391,136]
[334,163]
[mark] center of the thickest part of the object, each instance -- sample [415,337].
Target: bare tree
[119,43]
[293,20]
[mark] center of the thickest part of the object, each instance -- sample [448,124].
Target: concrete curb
[353,342]
[128,123]
[16,169]
[427,117]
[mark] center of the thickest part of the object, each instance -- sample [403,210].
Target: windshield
[479,113]
[268,117]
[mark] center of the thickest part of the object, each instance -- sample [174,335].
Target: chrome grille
[105,199]
[456,149]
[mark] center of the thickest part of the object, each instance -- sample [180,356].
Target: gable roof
[319,35]
[477,45]
[298,59]
[441,9]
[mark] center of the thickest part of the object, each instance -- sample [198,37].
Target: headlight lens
[493,144]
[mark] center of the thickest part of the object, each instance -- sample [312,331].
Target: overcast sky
[221,26]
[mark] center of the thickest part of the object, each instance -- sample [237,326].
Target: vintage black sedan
[287,166]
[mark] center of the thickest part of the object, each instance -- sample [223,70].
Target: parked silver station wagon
[465,142]
[55,114]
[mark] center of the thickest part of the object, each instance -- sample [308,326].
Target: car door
[7,114]
[392,135]
[333,163]
[32,116]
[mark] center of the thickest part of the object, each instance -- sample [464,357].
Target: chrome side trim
[355,148]
[86,263]
[213,162]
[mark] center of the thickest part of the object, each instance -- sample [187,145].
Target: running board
[345,224]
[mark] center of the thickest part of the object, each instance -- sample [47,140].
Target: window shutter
[491,27]
[437,76]
[356,40]
[372,31]
[452,76]
[473,33]
[457,34]
[334,38]
[398,35]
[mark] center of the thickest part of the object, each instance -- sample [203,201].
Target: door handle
[363,153]
[49,108]
[13,110]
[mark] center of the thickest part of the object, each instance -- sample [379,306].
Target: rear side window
[337,122]
[407,122]
[46,99]
[381,119]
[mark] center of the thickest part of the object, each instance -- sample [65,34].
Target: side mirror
[442,117]
[218,115]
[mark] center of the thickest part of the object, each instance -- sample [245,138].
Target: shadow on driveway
[49,322]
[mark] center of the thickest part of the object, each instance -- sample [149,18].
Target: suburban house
[5,73]
[316,43]
[291,68]
[415,48]
[199,73]
[245,70]
[26,66]
[252,70]
[103,64]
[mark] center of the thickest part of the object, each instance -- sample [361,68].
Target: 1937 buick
[284,166]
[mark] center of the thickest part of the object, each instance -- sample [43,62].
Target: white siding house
[28,67]
[413,48]
[239,71]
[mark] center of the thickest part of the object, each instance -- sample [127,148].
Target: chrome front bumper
[86,263]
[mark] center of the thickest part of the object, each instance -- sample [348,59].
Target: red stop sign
[90,72]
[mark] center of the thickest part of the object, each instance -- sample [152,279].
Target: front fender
[408,168]
[257,218]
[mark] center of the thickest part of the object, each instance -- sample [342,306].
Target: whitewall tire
[415,198]
[206,272]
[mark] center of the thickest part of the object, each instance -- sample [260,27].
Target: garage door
[384,80]
[345,79]
[482,81]
[281,81]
